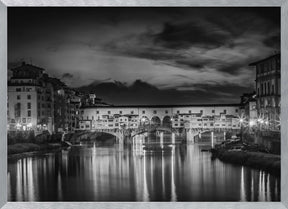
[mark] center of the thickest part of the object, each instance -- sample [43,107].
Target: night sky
[147,55]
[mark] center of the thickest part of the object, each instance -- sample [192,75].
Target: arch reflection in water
[131,173]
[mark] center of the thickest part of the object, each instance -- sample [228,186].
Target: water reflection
[131,173]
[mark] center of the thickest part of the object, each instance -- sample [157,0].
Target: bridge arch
[90,134]
[166,122]
[144,121]
[155,121]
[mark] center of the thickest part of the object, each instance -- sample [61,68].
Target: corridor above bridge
[176,116]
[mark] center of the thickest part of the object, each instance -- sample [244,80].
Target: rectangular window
[92,117]
[18,97]
[190,111]
[109,112]
[178,111]
[97,112]
[201,111]
[132,112]
[143,112]
[29,113]
[28,105]
[120,112]
[28,96]
[225,111]
[213,111]
[262,89]
[155,112]
[166,111]
[236,110]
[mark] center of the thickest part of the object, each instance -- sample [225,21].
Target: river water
[93,172]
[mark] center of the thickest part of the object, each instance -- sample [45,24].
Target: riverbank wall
[20,148]
[264,161]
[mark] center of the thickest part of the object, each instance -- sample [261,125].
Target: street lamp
[241,120]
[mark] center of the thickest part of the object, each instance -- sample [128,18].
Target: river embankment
[21,148]
[263,161]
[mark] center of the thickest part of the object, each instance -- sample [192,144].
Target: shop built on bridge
[183,123]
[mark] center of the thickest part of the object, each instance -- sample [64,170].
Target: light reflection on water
[131,173]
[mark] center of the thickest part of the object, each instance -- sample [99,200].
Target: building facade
[30,100]
[38,102]
[132,117]
[268,90]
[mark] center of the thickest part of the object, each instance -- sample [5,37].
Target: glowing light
[241,120]
[251,123]
[29,125]
[267,122]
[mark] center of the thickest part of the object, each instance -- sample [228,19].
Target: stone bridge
[123,135]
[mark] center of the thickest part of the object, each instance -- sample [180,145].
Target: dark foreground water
[117,173]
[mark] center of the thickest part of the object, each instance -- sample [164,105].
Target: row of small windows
[166,112]
[19,97]
[24,89]
[264,89]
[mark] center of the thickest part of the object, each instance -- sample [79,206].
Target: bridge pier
[190,136]
[173,138]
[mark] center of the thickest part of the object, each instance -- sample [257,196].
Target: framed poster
[143,104]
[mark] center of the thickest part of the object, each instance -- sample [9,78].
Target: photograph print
[143,104]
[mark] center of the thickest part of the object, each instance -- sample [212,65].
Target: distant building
[268,90]
[248,106]
[30,99]
[66,106]
[91,100]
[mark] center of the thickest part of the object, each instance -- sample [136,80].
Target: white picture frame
[152,205]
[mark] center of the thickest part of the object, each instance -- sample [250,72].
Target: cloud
[185,51]
[140,92]
[67,76]
[183,35]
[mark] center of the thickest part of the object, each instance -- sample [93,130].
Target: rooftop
[263,60]
[165,106]
[26,66]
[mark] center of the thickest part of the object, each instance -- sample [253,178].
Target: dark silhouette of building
[268,89]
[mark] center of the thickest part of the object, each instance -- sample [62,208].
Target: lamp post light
[241,129]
